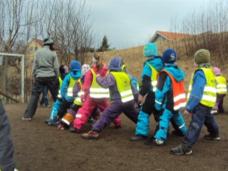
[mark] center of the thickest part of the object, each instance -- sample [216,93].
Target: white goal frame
[22,71]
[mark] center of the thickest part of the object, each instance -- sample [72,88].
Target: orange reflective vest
[179,96]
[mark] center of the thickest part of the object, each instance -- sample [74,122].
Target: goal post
[22,70]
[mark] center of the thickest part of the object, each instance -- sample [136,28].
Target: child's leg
[63,108]
[103,105]
[143,120]
[107,116]
[179,121]
[130,111]
[211,125]
[220,103]
[198,118]
[68,118]
[55,109]
[162,132]
[84,113]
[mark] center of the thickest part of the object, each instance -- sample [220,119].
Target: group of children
[101,93]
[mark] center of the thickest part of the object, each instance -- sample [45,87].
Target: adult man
[45,72]
[6,146]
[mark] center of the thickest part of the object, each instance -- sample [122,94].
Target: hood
[175,71]
[115,64]
[156,62]
[75,74]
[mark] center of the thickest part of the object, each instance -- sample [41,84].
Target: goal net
[12,77]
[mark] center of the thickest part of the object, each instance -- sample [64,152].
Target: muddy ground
[42,148]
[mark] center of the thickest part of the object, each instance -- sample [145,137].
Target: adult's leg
[6,146]
[33,102]
[107,116]
[53,86]
[45,94]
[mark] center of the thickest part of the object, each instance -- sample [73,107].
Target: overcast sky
[129,23]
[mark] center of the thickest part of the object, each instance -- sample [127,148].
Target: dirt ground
[39,147]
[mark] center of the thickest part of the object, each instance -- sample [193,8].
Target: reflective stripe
[181,126]
[221,90]
[180,105]
[179,97]
[221,86]
[209,98]
[210,89]
[99,96]
[65,121]
[154,82]
[127,99]
[80,93]
[158,102]
[99,90]
[125,93]
[70,91]
[78,115]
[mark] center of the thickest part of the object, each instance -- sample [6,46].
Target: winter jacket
[45,63]
[156,62]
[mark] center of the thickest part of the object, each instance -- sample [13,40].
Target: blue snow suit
[143,124]
[164,102]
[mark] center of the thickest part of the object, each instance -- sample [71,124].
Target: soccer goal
[12,77]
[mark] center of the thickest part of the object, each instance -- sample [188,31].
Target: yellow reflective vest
[96,91]
[77,99]
[154,77]
[123,82]
[221,84]
[209,93]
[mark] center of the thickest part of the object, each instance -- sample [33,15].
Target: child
[202,97]
[70,81]
[77,91]
[63,70]
[122,98]
[170,97]
[221,89]
[151,68]
[95,96]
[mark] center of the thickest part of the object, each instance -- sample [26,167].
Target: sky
[129,23]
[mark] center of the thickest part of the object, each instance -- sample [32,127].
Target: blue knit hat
[150,49]
[169,56]
[75,68]
[115,64]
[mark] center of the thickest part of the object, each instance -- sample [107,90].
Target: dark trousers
[44,98]
[63,108]
[37,88]
[201,115]
[114,110]
[6,145]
